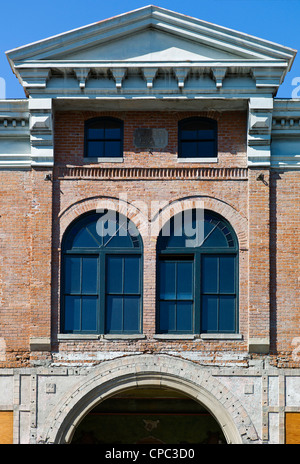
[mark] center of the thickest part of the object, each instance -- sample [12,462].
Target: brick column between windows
[259,258]
[41,244]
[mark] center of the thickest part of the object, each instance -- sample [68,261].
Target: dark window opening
[102,275]
[103,138]
[197,276]
[197,138]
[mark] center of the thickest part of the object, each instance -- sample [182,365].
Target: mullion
[80,280]
[123,288]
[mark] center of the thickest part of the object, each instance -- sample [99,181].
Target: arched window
[197,275]
[101,275]
[197,138]
[103,138]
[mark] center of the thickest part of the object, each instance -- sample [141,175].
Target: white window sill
[103,160]
[123,336]
[64,337]
[197,160]
[216,336]
[174,336]
[204,336]
[221,336]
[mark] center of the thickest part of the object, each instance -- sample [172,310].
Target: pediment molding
[154,18]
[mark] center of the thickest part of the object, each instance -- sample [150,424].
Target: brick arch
[72,212]
[211,114]
[166,371]
[228,212]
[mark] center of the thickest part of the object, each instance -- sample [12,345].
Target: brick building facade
[63,350]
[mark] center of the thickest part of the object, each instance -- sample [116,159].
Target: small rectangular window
[197,138]
[103,138]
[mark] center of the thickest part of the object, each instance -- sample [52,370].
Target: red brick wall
[25,262]
[30,248]
[15,257]
[232,200]
[285,266]
[232,136]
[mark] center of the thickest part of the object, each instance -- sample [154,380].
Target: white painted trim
[174,336]
[221,336]
[90,160]
[197,160]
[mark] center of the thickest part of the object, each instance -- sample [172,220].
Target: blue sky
[23,22]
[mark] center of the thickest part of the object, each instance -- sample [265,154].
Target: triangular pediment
[199,38]
[150,45]
[150,36]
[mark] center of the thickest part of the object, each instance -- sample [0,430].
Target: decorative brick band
[186,173]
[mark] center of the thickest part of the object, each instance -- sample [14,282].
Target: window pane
[184,280]
[83,239]
[131,313]
[113,133]
[167,316]
[89,274]
[206,149]
[114,274]
[97,133]
[132,274]
[94,232]
[72,274]
[167,280]
[227,313]
[216,239]
[206,134]
[72,313]
[209,272]
[89,313]
[184,316]
[114,310]
[112,149]
[117,234]
[209,321]
[189,149]
[189,134]
[96,149]
[227,274]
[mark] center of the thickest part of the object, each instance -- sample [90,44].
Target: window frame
[101,254]
[201,157]
[196,254]
[103,119]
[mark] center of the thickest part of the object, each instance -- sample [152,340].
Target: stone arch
[121,374]
[135,214]
[237,221]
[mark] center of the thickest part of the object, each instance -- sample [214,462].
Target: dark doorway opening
[149,416]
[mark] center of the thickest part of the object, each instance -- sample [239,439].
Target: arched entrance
[149,416]
[126,373]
